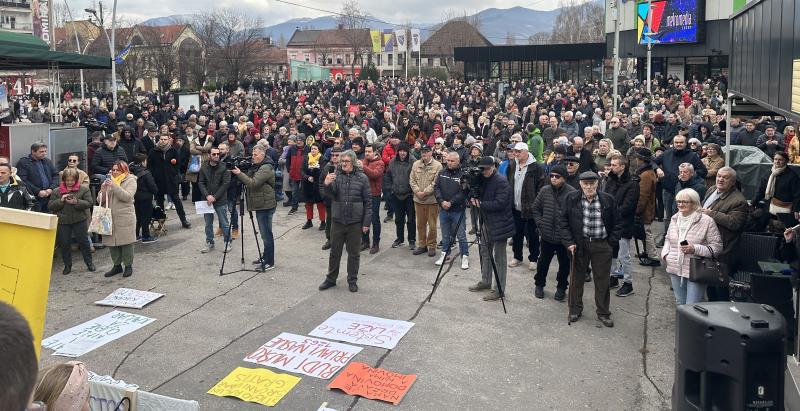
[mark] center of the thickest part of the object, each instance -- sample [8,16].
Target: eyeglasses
[346,161]
[555,176]
[75,160]
[213,154]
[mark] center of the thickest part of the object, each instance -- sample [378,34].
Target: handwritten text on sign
[130,298]
[363,329]
[373,383]
[92,334]
[304,355]
[255,385]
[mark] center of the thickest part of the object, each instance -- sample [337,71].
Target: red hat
[253,132]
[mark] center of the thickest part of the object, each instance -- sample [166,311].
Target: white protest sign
[202,207]
[107,379]
[107,397]
[129,298]
[304,355]
[86,337]
[362,329]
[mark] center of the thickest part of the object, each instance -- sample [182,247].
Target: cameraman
[348,188]
[452,199]
[260,182]
[494,205]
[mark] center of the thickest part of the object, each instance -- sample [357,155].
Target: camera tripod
[241,237]
[482,238]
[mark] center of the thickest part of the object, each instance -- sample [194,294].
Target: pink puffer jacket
[703,231]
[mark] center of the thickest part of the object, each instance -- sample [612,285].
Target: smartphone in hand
[684,242]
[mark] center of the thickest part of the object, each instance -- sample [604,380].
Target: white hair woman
[690,232]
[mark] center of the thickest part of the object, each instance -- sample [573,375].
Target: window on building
[390,59]
[307,58]
[339,59]
[378,57]
[293,56]
[346,59]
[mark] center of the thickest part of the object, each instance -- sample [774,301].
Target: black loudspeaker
[729,356]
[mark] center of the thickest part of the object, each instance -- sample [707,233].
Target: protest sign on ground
[106,394]
[85,337]
[304,355]
[373,383]
[255,385]
[129,298]
[363,329]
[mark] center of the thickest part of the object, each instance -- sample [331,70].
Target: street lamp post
[78,43]
[110,45]
[649,35]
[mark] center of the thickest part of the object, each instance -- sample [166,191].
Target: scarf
[162,147]
[76,391]
[771,182]
[64,189]
[313,161]
[118,179]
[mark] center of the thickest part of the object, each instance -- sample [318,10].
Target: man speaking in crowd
[494,207]
[260,195]
[348,188]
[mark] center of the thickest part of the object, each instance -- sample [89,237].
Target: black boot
[184,223]
[308,225]
[114,271]
[90,266]
[67,269]
[128,271]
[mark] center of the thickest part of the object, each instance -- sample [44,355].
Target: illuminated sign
[674,21]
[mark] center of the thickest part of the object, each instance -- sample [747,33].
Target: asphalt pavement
[467,354]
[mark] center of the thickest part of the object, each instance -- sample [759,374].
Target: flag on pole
[388,41]
[376,40]
[415,40]
[402,41]
[120,59]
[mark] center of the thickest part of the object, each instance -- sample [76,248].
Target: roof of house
[328,38]
[269,54]
[455,33]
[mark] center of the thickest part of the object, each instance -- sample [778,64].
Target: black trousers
[598,254]
[350,236]
[548,250]
[173,192]
[144,213]
[64,236]
[525,228]
[405,218]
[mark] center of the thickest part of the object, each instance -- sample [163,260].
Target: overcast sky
[273,12]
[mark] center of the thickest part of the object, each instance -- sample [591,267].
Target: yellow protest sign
[25,263]
[255,385]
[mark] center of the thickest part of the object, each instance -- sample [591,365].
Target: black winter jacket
[787,189]
[131,148]
[16,196]
[29,174]
[214,180]
[164,172]
[670,161]
[547,210]
[352,201]
[447,187]
[571,221]
[625,190]
[497,199]
[146,187]
[104,159]
[398,176]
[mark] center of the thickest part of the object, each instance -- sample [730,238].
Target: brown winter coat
[730,212]
[120,201]
[712,165]
[646,207]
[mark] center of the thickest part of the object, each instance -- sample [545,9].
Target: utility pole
[616,57]
[77,42]
[649,35]
[110,45]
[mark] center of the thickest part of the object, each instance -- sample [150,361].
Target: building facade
[16,16]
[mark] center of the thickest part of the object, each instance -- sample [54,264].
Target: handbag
[101,219]
[704,270]
[194,164]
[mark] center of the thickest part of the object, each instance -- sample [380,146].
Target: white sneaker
[464,262]
[227,247]
[532,266]
[440,261]
[207,248]
[515,263]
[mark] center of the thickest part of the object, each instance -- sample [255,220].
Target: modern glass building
[561,62]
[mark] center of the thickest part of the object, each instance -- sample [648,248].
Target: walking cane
[570,285]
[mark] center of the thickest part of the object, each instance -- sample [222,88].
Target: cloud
[273,12]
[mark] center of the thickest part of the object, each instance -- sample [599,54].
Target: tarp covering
[752,166]
[26,51]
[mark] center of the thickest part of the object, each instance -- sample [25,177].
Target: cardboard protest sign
[373,383]
[92,334]
[363,329]
[255,385]
[129,298]
[304,355]
[106,393]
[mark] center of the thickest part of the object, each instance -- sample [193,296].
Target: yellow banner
[25,266]
[255,385]
[376,40]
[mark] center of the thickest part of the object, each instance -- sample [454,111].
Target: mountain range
[497,25]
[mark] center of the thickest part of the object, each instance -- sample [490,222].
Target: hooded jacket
[398,176]
[546,211]
[447,187]
[146,187]
[16,196]
[625,189]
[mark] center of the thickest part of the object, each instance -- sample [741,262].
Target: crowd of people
[550,168]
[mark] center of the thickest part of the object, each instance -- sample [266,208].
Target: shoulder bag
[704,270]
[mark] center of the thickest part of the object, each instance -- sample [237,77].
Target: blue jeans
[621,266]
[376,222]
[687,292]
[447,220]
[222,213]
[264,218]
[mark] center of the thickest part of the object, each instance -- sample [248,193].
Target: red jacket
[374,171]
[389,152]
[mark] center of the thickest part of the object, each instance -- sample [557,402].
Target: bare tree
[60,14]
[131,69]
[234,38]
[457,29]
[541,37]
[206,30]
[160,56]
[352,22]
[579,23]
[321,50]
[282,41]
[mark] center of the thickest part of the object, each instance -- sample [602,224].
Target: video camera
[471,178]
[241,162]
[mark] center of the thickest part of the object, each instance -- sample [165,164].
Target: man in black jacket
[12,193]
[163,163]
[130,144]
[494,205]
[547,211]
[398,175]
[625,189]
[667,173]
[330,168]
[39,175]
[108,154]
[213,182]
[143,199]
[590,230]
[525,176]
[452,199]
